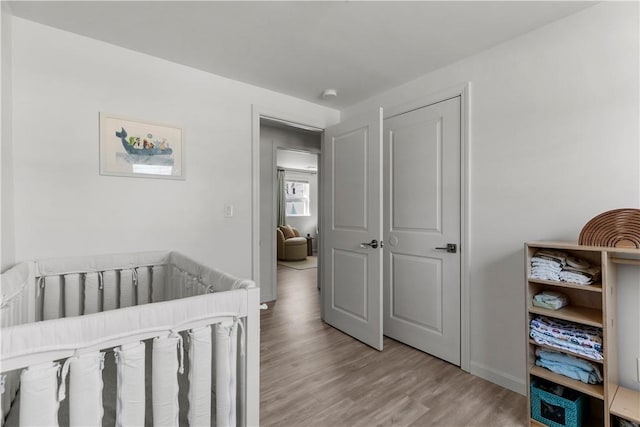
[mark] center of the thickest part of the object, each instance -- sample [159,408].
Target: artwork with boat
[131,147]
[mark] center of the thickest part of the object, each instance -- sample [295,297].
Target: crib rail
[33,343]
[86,285]
[78,298]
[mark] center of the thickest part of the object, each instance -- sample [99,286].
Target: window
[296,198]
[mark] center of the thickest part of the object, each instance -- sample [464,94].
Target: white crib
[136,339]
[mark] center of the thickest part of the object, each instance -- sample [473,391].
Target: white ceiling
[301,48]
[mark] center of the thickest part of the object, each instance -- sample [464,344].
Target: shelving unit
[626,405]
[592,305]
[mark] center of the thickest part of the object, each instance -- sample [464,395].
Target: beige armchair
[291,247]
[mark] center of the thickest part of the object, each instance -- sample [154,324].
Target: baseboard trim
[497,377]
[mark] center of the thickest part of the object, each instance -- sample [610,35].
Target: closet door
[352,228]
[421,218]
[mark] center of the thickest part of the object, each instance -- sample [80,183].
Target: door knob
[372,244]
[452,248]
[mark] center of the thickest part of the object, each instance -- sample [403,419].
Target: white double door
[391,214]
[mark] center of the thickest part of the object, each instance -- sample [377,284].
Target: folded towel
[569,366]
[568,371]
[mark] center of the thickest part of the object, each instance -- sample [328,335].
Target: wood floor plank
[314,375]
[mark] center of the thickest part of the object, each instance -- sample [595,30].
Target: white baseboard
[497,377]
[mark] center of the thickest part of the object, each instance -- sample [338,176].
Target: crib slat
[126,289]
[144,283]
[225,374]
[72,295]
[52,307]
[39,395]
[85,390]
[175,283]
[130,406]
[164,390]
[158,283]
[110,290]
[91,293]
[200,376]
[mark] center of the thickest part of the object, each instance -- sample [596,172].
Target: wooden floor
[314,375]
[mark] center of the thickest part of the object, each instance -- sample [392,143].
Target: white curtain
[282,217]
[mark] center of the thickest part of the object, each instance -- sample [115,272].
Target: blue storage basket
[557,411]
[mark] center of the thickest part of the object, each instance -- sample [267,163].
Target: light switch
[228,210]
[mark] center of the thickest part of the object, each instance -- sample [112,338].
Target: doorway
[354,297]
[291,151]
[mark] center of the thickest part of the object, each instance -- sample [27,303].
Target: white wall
[61,82]
[554,142]
[7,247]
[272,138]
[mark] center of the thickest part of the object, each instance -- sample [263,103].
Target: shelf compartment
[573,313]
[561,350]
[626,404]
[594,390]
[596,287]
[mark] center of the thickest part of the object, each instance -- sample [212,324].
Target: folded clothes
[569,366]
[551,300]
[564,329]
[558,257]
[547,264]
[565,345]
[581,276]
[579,339]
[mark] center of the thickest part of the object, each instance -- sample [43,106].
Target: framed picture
[135,148]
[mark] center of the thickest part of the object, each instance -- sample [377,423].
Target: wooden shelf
[566,246]
[592,305]
[561,350]
[596,287]
[626,404]
[595,390]
[573,313]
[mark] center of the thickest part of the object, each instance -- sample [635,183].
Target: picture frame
[135,148]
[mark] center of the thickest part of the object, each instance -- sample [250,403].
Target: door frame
[269,293]
[463,90]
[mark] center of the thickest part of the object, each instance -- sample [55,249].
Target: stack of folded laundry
[551,300]
[579,271]
[579,339]
[568,366]
[547,264]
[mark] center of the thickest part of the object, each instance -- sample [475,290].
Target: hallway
[314,375]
